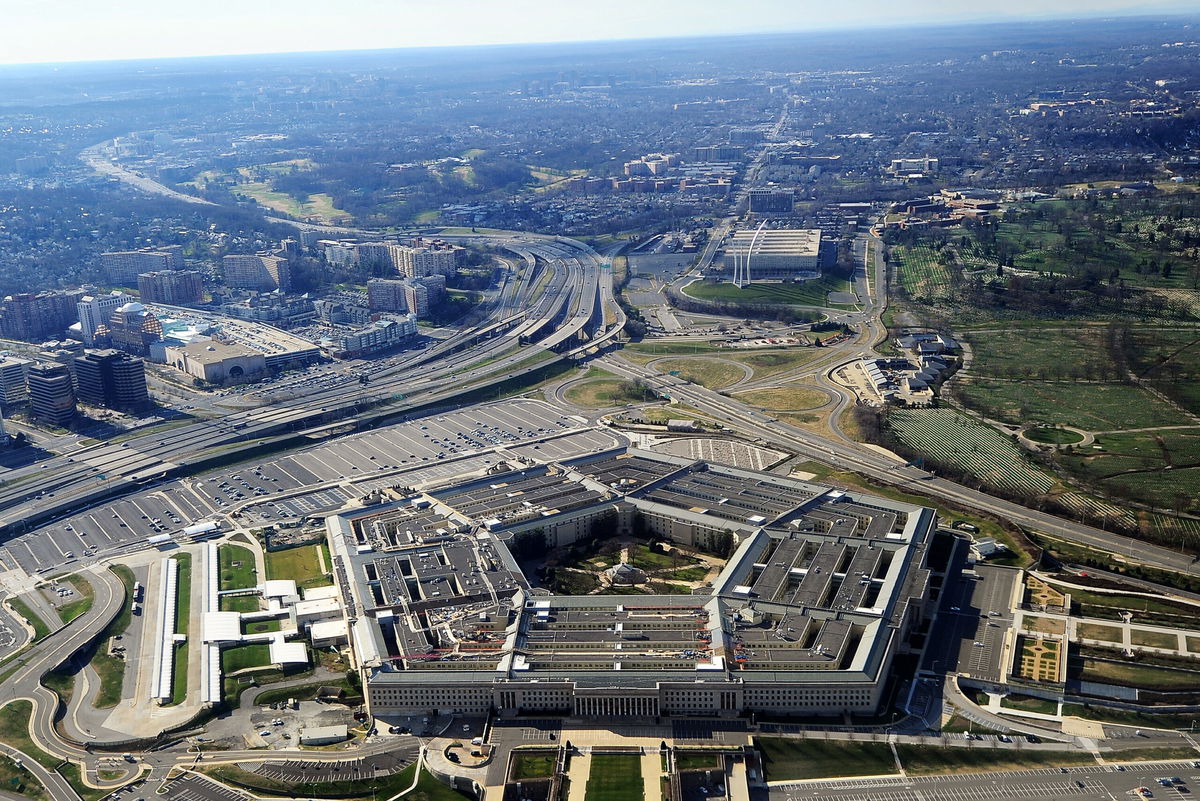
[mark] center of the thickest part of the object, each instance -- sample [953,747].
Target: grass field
[40,629]
[20,781]
[1053,436]
[236,563]
[781,399]
[111,669]
[14,730]
[1097,631]
[1159,467]
[319,206]
[84,595]
[531,765]
[1091,407]
[805,293]
[239,603]
[921,272]
[1131,674]
[428,788]
[1128,718]
[1153,639]
[1027,703]
[647,558]
[925,760]
[785,759]
[602,393]
[645,352]
[944,436]
[710,373]
[241,657]
[183,591]
[303,564]
[615,777]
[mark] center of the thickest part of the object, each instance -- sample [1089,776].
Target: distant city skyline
[53,31]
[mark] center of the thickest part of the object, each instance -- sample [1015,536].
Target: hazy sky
[86,30]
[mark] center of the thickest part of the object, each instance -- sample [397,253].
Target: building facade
[113,379]
[821,591]
[171,287]
[96,310]
[261,271]
[122,267]
[13,380]
[51,394]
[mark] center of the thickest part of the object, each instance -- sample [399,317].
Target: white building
[95,311]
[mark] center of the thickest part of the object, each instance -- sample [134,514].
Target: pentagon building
[822,591]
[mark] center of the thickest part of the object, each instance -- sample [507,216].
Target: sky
[33,31]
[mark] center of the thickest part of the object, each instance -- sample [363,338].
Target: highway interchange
[562,306]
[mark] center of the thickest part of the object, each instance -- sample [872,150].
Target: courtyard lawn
[615,777]
[237,567]
[303,564]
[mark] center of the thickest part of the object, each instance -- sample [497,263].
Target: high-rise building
[13,387]
[39,316]
[412,295]
[122,267]
[261,271]
[172,287]
[95,311]
[51,396]
[132,329]
[771,201]
[417,260]
[113,379]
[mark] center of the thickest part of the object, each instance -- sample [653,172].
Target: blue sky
[86,30]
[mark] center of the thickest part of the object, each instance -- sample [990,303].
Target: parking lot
[413,453]
[973,619]
[1106,782]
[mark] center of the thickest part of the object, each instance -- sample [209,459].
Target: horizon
[24,47]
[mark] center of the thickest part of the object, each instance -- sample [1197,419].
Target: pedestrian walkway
[577,775]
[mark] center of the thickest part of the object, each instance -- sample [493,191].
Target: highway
[565,313]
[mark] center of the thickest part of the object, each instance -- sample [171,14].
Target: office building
[13,376]
[775,253]
[96,310]
[37,316]
[821,592]
[717,153]
[132,328]
[51,394]
[771,201]
[261,271]
[113,379]
[172,287]
[122,267]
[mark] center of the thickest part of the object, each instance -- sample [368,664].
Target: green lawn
[301,564]
[240,657]
[183,606]
[805,293]
[20,781]
[84,595]
[428,788]
[1098,631]
[1027,703]
[532,765]
[111,669]
[615,777]
[711,373]
[1153,639]
[40,629]
[260,626]
[237,568]
[14,730]
[602,393]
[786,759]
[919,760]
[239,603]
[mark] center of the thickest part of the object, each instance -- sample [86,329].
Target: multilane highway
[566,310]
